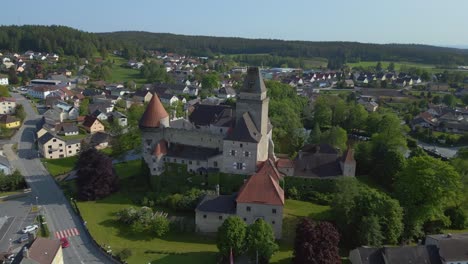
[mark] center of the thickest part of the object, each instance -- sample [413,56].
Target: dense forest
[69,41]
[343,51]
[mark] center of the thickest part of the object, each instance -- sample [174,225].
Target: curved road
[58,211]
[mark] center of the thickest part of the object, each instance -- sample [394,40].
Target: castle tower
[155,115]
[152,124]
[253,99]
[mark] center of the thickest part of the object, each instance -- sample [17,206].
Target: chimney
[25,253]
[217,189]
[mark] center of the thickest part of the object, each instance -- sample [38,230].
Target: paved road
[60,217]
[443,151]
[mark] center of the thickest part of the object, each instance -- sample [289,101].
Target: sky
[433,22]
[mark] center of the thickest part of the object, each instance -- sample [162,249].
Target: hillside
[344,51]
[69,41]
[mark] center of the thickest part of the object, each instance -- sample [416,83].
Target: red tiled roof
[284,163]
[154,113]
[160,149]
[262,187]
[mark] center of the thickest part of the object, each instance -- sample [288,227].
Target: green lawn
[122,74]
[10,193]
[195,248]
[60,166]
[385,64]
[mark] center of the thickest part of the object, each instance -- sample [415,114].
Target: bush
[11,182]
[293,193]
[159,226]
[144,219]
[124,254]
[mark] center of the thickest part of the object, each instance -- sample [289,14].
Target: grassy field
[121,74]
[398,65]
[191,247]
[58,167]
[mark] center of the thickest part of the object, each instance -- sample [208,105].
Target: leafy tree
[436,100]
[316,243]
[425,188]
[231,236]
[210,81]
[355,206]
[322,113]
[336,136]
[12,77]
[386,165]
[260,241]
[449,100]
[315,135]
[155,72]
[391,67]
[96,177]
[378,67]
[84,105]
[357,117]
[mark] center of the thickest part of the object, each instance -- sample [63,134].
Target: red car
[64,242]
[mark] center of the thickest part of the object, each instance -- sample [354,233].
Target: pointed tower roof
[253,82]
[262,187]
[153,114]
[160,149]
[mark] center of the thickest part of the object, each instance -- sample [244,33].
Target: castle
[213,136]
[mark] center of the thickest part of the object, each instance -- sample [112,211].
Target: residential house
[226,92]
[349,83]
[100,140]
[54,147]
[70,112]
[362,80]
[3,80]
[41,251]
[103,107]
[424,119]
[260,197]
[92,124]
[5,166]
[169,99]
[142,96]
[369,103]
[7,105]
[41,92]
[120,118]
[99,115]
[9,121]
[67,129]
[323,161]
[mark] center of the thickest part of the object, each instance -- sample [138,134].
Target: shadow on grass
[192,257]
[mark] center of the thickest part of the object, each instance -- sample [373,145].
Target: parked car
[29,228]
[64,242]
[22,239]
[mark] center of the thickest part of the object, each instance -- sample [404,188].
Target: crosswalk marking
[67,233]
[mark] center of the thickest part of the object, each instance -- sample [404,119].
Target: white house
[41,92]
[7,105]
[3,80]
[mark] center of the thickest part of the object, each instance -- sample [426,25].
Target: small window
[273,211]
[190,162]
[175,160]
[248,208]
[61,150]
[69,152]
[60,145]
[50,146]
[204,216]
[272,222]
[220,217]
[54,140]
[245,219]
[69,146]
[241,145]
[215,164]
[183,161]
[247,154]
[233,152]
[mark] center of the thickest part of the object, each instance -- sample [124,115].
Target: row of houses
[442,118]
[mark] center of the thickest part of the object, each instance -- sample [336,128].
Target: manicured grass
[10,193]
[128,169]
[196,248]
[101,221]
[59,166]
